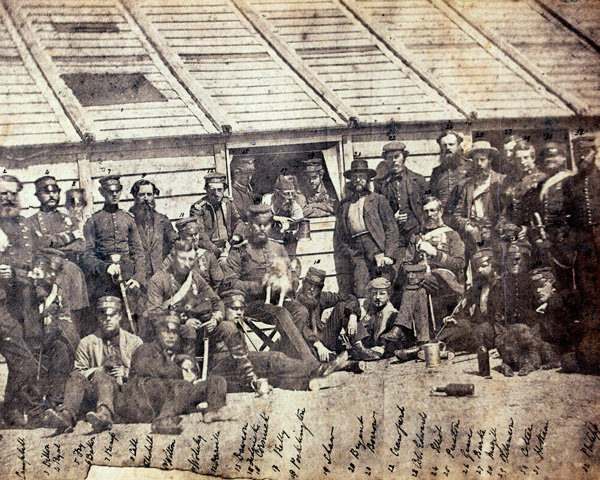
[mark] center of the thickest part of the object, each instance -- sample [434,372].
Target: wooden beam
[73,109]
[508,54]
[399,49]
[346,160]
[85,182]
[211,109]
[293,60]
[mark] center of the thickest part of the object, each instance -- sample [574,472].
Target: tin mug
[432,353]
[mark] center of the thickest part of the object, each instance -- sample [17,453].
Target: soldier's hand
[401,217]
[352,325]
[381,260]
[78,234]
[193,322]
[6,272]
[210,325]
[323,352]
[523,233]
[114,269]
[428,248]
[447,320]
[132,284]
[217,316]
[117,371]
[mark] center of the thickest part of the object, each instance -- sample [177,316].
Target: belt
[356,235]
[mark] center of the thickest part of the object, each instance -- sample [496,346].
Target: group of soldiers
[109,317]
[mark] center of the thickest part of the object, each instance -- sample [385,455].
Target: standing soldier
[453,169]
[155,229]
[51,228]
[242,170]
[113,245]
[220,222]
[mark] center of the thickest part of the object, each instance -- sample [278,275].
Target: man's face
[184,261]
[449,146]
[168,335]
[192,233]
[432,212]
[514,263]
[109,319]
[585,158]
[554,163]
[9,199]
[42,276]
[525,160]
[286,197]
[260,229]
[359,181]
[545,291]
[215,192]
[314,179]
[234,312]
[311,290]
[380,298]
[49,196]
[507,150]
[145,196]
[484,267]
[482,163]
[111,194]
[395,161]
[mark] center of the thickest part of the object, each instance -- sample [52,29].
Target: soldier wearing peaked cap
[242,171]
[53,228]
[319,201]
[220,222]
[113,245]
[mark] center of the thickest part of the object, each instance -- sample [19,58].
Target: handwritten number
[317,261]
[527,138]
[392,137]
[357,154]
[391,468]
[579,131]
[311,155]
[74,183]
[547,136]
[181,215]
[507,131]
[284,171]
[479,134]
[449,126]
[47,172]
[245,151]
[351,467]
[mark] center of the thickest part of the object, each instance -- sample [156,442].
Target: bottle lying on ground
[456,389]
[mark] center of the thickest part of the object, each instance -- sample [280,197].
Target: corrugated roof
[214,47]
[30,114]
[562,58]
[454,56]
[96,37]
[357,68]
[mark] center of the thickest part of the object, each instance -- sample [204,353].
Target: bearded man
[453,169]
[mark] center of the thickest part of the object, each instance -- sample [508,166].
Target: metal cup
[432,352]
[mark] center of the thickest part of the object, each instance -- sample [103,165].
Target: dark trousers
[292,342]
[362,262]
[328,335]
[95,392]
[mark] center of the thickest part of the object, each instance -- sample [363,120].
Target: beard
[259,239]
[145,212]
[9,209]
[309,302]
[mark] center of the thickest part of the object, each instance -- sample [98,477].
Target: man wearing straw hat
[366,233]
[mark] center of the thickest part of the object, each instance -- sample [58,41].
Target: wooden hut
[172,89]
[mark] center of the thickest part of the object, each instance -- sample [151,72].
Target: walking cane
[205,358]
[116,258]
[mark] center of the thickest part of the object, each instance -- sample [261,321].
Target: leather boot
[394,335]
[100,420]
[61,420]
[167,426]
[326,369]
[359,352]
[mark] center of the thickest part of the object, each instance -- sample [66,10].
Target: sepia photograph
[299,239]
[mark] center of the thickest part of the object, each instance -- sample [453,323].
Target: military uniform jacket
[243,197]
[108,233]
[583,204]
[54,230]
[520,197]
[552,199]
[19,252]
[319,204]
[445,179]
[205,212]
[247,265]
[379,220]
[158,244]
[206,265]
[199,300]
[150,360]
[416,187]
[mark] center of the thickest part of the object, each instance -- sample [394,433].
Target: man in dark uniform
[242,170]
[251,266]
[219,219]
[453,169]
[404,190]
[155,229]
[51,228]
[113,245]
[319,202]
[366,233]
[583,213]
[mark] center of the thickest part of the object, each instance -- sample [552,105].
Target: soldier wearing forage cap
[242,170]
[109,350]
[249,266]
[404,190]
[366,233]
[155,229]
[453,169]
[344,314]
[113,244]
[583,214]
[51,228]
[218,217]
[319,202]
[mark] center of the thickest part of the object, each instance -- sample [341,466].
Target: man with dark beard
[51,228]
[155,229]
[366,234]
[17,258]
[453,170]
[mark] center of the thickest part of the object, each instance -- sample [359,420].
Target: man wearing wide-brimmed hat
[366,234]
[477,202]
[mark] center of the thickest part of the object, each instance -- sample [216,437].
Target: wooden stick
[205,359]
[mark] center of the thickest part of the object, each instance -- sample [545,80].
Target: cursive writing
[21,456]
[361,442]
[328,448]
[108,449]
[296,460]
[541,438]
[591,435]
[505,447]
[278,448]
[526,438]
[436,444]
[479,448]
[148,448]
[215,458]
[373,436]
[240,453]
[133,444]
[493,443]
[454,434]
[168,460]
[194,460]
[400,431]
[420,441]
[466,451]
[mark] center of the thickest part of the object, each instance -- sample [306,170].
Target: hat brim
[370,171]
[491,150]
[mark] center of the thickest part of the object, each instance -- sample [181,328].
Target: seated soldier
[181,289]
[319,202]
[108,351]
[280,370]
[378,317]
[162,385]
[433,262]
[59,339]
[344,315]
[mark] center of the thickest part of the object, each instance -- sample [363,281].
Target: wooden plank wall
[235,66]
[584,15]
[559,53]
[347,59]
[118,50]
[457,60]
